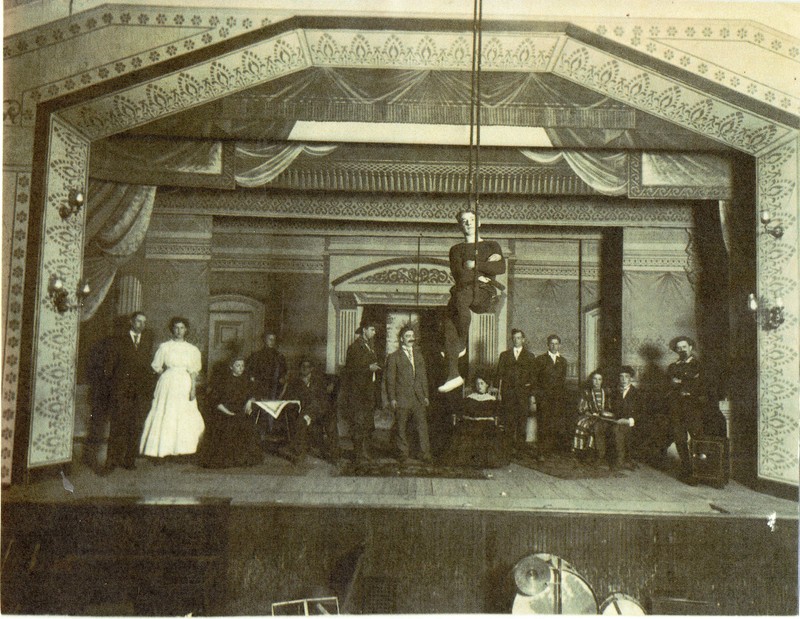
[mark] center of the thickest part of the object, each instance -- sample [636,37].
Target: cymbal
[532,575]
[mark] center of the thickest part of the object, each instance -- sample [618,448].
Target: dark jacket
[517,375]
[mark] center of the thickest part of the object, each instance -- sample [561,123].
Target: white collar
[517,351]
[553,356]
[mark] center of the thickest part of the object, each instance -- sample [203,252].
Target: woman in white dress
[174,424]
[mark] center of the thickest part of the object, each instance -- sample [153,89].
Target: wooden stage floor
[315,483]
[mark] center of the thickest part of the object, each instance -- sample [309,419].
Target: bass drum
[560,590]
[622,604]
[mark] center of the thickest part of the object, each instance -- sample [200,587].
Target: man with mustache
[685,396]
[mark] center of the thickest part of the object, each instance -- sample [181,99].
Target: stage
[172,538]
[315,484]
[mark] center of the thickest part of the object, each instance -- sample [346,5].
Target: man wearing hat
[361,371]
[685,410]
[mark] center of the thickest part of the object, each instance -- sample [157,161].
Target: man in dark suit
[131,393]
[267,371]
[686,400]
[515,376]
[551,375]
[627,404]
[407,390]
[361,376]
[315,422]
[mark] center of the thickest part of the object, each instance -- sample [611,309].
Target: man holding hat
[361,371]
[685,409]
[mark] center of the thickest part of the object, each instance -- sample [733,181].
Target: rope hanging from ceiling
[473,174]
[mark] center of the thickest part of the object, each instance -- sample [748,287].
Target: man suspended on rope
[475,264]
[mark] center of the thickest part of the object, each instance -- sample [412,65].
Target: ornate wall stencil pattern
[225,74]
[523,51]
[426,177]
[239,263]
[177,248]
[672,41]
[778,389]
[667,98]
[13,326]
[53,389]
[406,275]
[194,29]
[368,207]
[548,271]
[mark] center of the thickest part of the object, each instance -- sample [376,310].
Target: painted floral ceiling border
[212,26]
[287,52]
[657,38]
[661,39]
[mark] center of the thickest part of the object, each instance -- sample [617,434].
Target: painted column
[55,333]
[778,346]
[129,295]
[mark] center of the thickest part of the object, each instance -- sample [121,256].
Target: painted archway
[65,130]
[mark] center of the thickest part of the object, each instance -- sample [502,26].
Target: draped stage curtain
[606,173]
[258,163]
[117,217]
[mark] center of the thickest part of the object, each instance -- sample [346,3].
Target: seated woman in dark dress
[231,438]
[477,439]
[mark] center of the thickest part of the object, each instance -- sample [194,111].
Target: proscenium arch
[66,126]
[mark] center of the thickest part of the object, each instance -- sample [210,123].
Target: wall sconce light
[776,230]
[73,205]
[60,297]
[772,316]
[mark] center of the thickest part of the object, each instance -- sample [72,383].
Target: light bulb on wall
[60,297]
[775,231]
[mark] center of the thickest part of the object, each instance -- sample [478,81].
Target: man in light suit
[407,389]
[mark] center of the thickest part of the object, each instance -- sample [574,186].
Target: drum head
[564,591]
[621,604]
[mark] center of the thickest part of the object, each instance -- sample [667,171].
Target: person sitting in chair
[598,425]
[474,264]
[628,405]
[232,439]
[478,440]
[316,422]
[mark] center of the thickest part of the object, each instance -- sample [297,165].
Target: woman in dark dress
[232,439]
[477,439]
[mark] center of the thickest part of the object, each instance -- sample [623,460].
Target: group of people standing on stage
[155,408]
[152,398]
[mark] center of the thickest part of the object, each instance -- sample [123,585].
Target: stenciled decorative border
[778,349]
[55,334]
[667,98]
[662,39]
[137,105]
[13,326]
[524,270]
[239,264]
[210,26]
[495,210]
[408,275]
[636,189]
[443,51]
